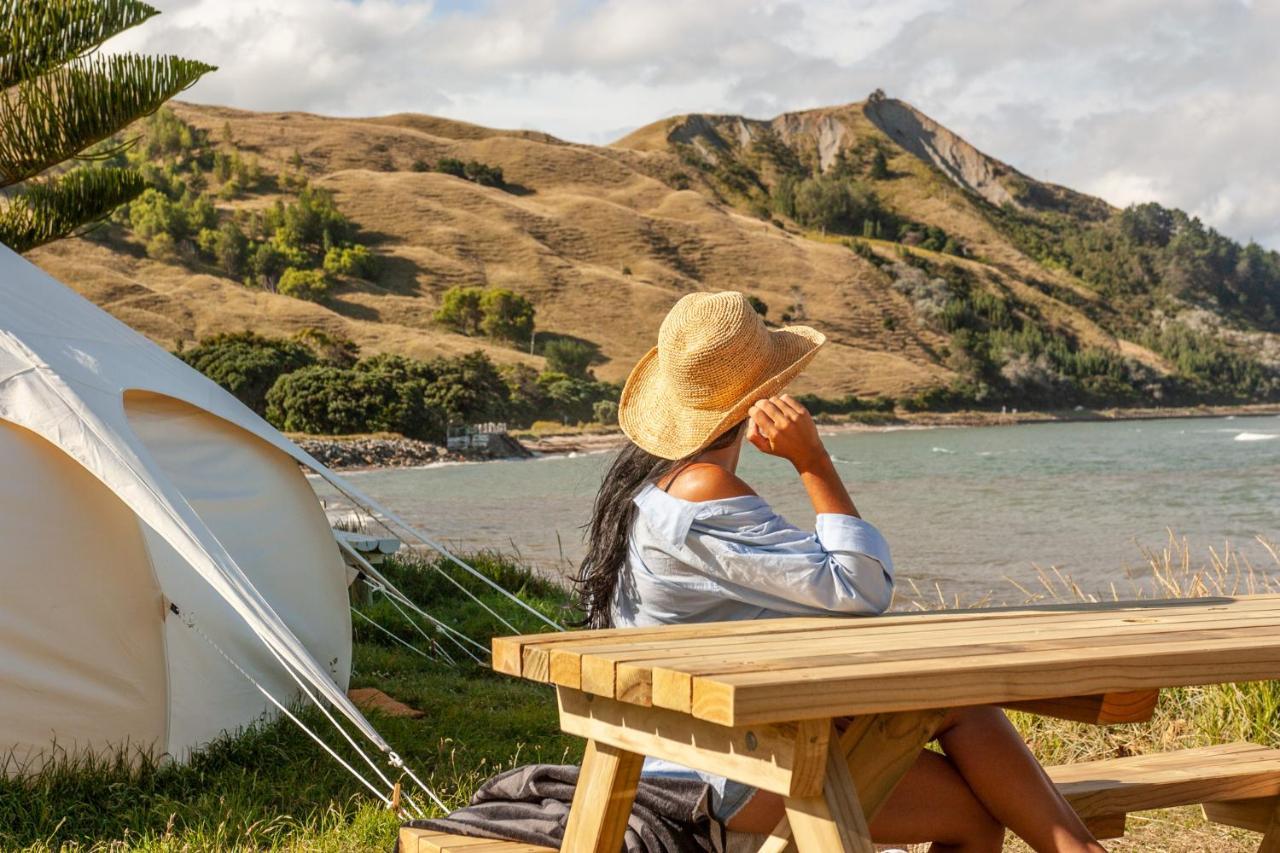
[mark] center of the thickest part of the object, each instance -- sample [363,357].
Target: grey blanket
[531,804]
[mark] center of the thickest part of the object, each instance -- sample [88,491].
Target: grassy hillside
[943,277]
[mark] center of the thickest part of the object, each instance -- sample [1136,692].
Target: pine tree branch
[55,208]
[53,117]
[37,35]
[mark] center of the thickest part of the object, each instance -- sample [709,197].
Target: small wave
[1256,436]
[941,450]
[835,458]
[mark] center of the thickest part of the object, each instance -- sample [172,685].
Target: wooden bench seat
[1237,783]
[426,841]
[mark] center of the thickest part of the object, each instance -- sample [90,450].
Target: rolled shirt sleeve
[842,568]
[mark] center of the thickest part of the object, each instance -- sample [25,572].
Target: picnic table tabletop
[829,712]
[735,673]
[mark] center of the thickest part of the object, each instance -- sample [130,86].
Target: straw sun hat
[714,358]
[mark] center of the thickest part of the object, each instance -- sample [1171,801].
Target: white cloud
[1172,100]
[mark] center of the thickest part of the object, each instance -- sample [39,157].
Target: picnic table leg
[1271,838]
[877,750]
[834,820]
[602,800]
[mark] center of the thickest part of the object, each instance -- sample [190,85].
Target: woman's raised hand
[782,427]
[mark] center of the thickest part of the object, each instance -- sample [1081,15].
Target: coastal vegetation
[272,788]
[314,383]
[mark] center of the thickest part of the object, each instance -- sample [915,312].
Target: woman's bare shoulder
[705,481]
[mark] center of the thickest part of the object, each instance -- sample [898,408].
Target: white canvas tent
[160,549]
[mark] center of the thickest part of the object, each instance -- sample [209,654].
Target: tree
[879,166]
[60,98]
[468,389]
[759,305]
[247,364]
[323,400]
[832,204]
[567,356]
[227,246]
[506,315]
[460,309]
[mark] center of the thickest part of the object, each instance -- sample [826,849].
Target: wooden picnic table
[759,701]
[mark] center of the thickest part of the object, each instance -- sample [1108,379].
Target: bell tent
[169,574]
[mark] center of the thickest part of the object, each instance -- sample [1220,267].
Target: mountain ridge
[603,239]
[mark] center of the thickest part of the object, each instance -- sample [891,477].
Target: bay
[966,509]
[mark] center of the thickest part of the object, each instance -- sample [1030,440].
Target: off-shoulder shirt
[735,558]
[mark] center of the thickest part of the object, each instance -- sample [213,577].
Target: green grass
[272,788]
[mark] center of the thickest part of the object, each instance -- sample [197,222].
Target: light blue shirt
[735,558]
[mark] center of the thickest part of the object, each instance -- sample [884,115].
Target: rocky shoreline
[345,453]
[389,451]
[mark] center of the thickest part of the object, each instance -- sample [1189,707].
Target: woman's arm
[780,426]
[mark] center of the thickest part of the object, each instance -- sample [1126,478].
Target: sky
[1172,101]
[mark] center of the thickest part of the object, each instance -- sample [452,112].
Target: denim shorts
[727,796]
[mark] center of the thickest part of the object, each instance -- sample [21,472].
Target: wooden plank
[1253,814]
[835,651]
[670,674]
[1106,826]
[602,800]
[1135,706]
[785,758]
[508,652]
[672,680]
[414,840]
[1202,657]
[833,820]
[582,665]
[1213,774]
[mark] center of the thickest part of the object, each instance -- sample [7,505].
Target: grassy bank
[271,788]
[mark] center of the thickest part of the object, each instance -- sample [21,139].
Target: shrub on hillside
[247,364]
[355,261]
[311,285]
[570,357]
[472,170]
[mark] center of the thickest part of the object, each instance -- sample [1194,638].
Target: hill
[942,276]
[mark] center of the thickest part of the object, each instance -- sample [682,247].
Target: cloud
[1171,100]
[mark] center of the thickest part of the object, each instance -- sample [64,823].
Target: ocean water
[967,509]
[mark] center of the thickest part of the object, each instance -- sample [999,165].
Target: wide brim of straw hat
[655,413]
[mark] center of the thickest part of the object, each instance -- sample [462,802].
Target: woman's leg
[1004,775]
[932,804]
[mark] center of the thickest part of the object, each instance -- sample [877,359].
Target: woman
[677,536]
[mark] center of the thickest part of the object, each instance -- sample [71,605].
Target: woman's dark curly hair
[611,519]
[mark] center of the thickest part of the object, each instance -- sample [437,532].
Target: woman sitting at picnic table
[677,537]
